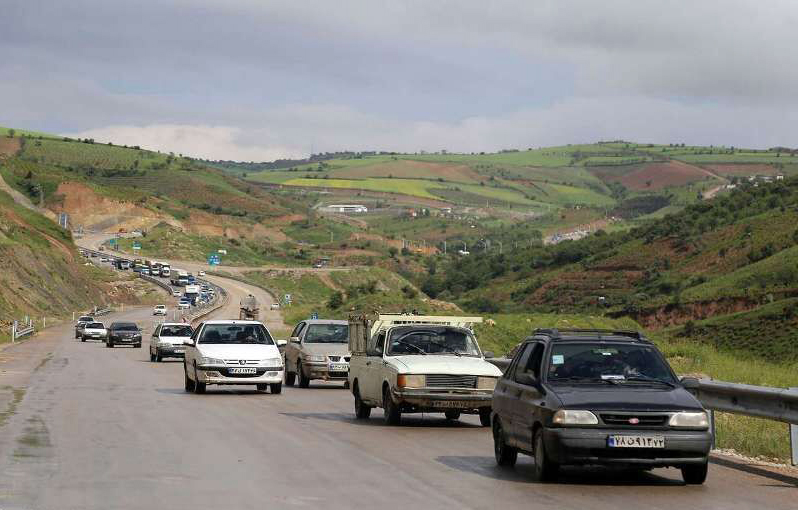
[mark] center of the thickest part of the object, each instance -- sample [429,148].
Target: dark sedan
[123,333]
[584,397]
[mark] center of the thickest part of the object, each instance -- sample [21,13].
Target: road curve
[105,429]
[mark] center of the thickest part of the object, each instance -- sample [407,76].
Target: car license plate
[243,371]
[446,404]
[339,367]
[179,351]
[623,441]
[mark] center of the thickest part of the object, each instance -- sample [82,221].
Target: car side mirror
[526,379]
[489,354]
[690,383]
[189,343]
[281,343]
[294,339]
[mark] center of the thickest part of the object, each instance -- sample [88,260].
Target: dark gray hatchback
[587,397]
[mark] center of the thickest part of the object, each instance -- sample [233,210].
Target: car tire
[262,387]
[83,339]
[362,411]
[545,469]
[199,387]
[695,474]
[392,414]
[304,382]
[276,388]
[152,357]
[137,346]
[506,455]
[110,345]
[452,415]
[290,378]
[484,417]
[158,357]
[189,382]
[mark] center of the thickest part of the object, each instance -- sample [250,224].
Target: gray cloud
[254,79]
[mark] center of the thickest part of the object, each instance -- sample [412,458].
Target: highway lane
[104,428]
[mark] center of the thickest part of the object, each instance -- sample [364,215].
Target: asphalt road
[99,428]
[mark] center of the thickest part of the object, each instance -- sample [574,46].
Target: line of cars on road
[568,397]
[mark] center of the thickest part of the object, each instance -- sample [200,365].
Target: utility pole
[500,247]
[331,236]
[465,247]
[444,247]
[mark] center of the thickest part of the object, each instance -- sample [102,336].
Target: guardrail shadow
[408,421]
[743,465]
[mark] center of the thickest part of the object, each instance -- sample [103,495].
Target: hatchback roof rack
[558,332]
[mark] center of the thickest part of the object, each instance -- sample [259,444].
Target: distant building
[348,208]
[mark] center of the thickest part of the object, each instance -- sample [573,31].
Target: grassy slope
[41,270]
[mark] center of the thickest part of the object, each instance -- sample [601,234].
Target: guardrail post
[713,444]
[794,441]
[13,332]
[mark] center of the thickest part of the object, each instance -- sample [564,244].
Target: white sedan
[159,310]
[93,330]
[168,339]
[233,352]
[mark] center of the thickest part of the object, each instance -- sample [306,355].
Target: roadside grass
[319,232]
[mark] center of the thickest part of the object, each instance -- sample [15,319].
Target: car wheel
[484,416]
[152,357]
[262,387]
[452,414]
[545,469]
[276,388]
[290,377]
[110,345]
[199,387]
[158,357]
[189,382]
[392,416]
[506,455]
[137,346]
[362,411]
[346,385]
[695,474]
[304,381]
[83,339]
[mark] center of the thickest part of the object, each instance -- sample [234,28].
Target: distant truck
[192,293]
[166,271]
[419,364]
[249,308]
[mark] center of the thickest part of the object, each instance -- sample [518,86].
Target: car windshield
[608,362]
[176,331]
[86,318]
[327,334]
[95,325]
[124,327]
[432,340]
[235,334]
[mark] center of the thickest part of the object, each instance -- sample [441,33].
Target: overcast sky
[259,79]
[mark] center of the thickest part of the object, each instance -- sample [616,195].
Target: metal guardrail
[17,332]
[102,311]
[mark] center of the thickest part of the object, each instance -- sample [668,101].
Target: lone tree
[11,133]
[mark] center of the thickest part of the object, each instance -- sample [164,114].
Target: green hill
[723,271]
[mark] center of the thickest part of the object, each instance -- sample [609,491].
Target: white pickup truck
[414,364]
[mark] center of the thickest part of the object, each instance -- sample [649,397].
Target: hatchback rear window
[95,325]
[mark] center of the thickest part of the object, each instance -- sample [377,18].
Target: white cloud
[292,130]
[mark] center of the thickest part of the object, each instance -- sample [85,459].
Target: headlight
[690,419]
[211,361]
[571,417]
[411,381]
[272,362]
[310,357]
[486,383]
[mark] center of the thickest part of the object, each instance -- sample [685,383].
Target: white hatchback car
[233,352]
[168,340]
[159,310]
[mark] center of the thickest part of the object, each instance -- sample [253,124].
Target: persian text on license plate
[339,367]
[447,404]
[623,441]
[243,371]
